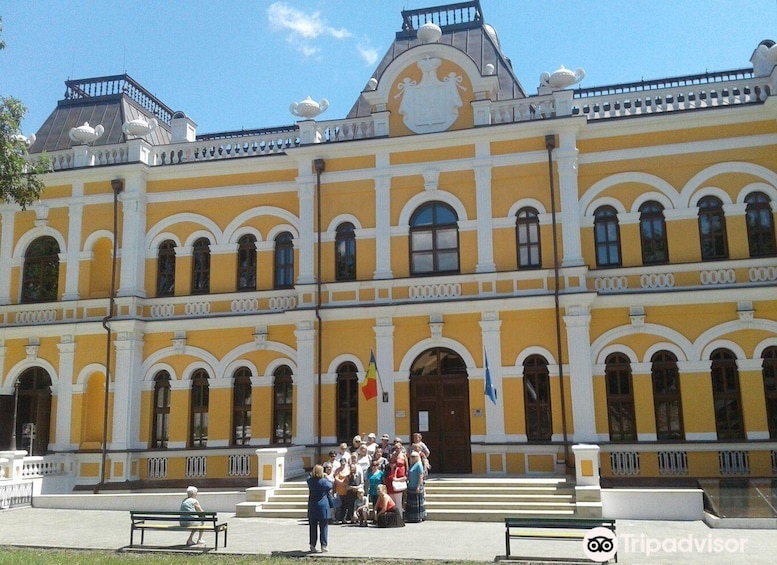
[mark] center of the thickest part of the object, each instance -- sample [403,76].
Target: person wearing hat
[361,509]
[371,445]
[415,508]
[385,445]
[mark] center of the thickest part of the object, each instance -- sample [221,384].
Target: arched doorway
[439,406]
[34,408]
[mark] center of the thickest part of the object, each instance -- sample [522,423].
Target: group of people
[365,482]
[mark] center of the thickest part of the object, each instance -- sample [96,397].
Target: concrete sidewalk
[639,541]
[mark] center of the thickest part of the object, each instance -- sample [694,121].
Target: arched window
[246,263]
[760,225]
[165,267]
[34,406]
[283,405]
[434,240]
[241,407]
[536,395]
[345,253]
[160,425]
[201,266]
[284,261]
[527,237]
[712,229]
[666,396]
[770,388]
[40,279]
[652,232]
[725,395]
[620,398]
[607,237]
[347,411]
[199,409]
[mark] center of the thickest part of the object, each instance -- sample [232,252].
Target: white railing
[239,465]
[718,276]
[37,466]
[624,463]
[15,494]
[523,109]
[31,317]
[346,130]
[156,468]
[196,466]
[221,149]
[657,280]
[672,463]
[197,308]
[734,462]
[762,274]
[610,284]
[436,290]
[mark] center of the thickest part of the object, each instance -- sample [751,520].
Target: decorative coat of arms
[434,104]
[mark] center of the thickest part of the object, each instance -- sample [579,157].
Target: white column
[566,160]
[384,359]
[383,224]
[490,328]
[305,188]
[64,392]
[7,215]
[126,380]
[578,325]
[73,264]
[485,223]
[306,382]
[133,237]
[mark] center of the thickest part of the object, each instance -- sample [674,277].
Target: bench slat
[200,521]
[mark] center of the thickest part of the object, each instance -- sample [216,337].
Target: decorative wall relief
[433,105]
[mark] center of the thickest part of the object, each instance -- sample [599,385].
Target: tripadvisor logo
[600,544]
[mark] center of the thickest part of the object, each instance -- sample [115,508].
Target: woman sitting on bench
[191,504]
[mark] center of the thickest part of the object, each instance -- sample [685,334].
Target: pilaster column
[7,216]
[490,329]
[384,359]
[566,160]
[73,264]
[383,224]
[305,188]
[133,237]
[578,326]
[126,387]
[64,392]
[485,223]
[305,380]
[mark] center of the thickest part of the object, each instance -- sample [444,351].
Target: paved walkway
[639,541]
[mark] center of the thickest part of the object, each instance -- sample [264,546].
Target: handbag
[398,486]
[334,500]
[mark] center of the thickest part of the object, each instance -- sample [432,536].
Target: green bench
[567,528]
[171,521]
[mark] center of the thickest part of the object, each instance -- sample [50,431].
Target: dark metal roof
[107,101]
[463,28]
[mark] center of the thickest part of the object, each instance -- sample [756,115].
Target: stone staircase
[471,499]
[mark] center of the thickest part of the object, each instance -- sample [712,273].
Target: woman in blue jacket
[319,486]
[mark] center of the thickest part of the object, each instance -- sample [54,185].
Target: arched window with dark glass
[241,407]
[536,395]
[246,263]
[607,237]
[620,398]
[33,406]
[726,397]
[199,409]
[527,237]
[652,232]
[165,267]
[40,278]
[201,266]
[160,425]
[347,412]
[760,225]
[345,253]
[666,396]
[712,229]
[434,240]
[284,261]
[770,388]
[283,405]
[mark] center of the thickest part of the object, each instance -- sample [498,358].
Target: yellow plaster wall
[698,411]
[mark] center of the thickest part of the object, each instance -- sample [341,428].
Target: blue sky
[233,65]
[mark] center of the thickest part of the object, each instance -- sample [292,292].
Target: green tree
[19,174]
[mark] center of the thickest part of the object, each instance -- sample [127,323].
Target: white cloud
[368,54]
[303,28]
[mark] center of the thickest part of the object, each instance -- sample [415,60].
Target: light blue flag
[490,391]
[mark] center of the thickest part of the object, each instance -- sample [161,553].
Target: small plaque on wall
[400,413]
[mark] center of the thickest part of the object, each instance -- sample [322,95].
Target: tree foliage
[19,180]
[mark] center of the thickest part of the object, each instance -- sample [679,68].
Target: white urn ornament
[308,108]
[86,133]
[429,33]
[139,127]
[561,78]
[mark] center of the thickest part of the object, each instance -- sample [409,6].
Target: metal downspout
[319,166]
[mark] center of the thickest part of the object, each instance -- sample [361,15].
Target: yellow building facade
[603,259]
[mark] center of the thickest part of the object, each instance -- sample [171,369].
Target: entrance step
[460,498]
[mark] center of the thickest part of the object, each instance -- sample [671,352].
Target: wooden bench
[171,521]
[570,528]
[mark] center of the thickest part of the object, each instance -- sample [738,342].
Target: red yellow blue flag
[370,384]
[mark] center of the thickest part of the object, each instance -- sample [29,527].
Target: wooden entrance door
[439,403]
